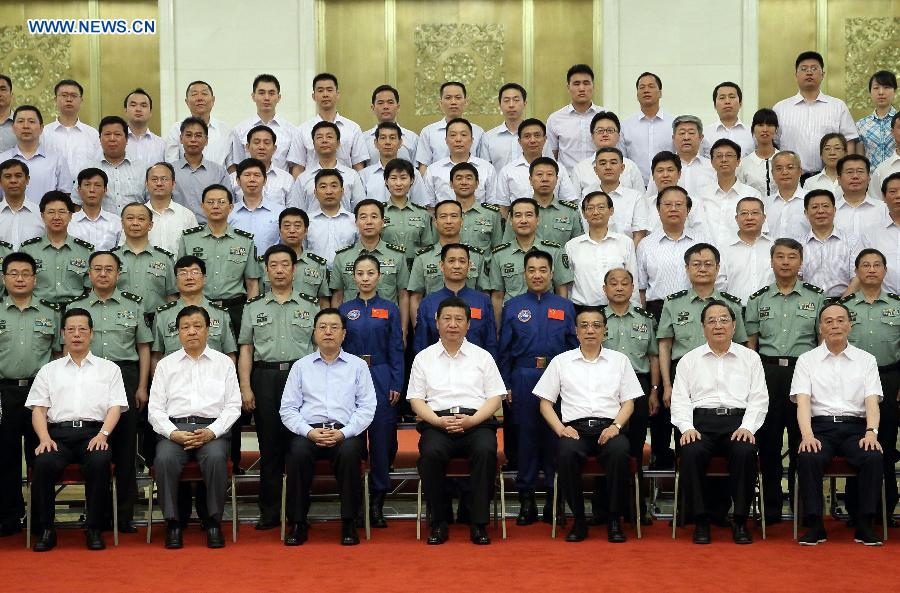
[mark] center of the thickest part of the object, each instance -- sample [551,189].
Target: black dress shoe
[349,537]
[527,509]
[376,511]
[127,527]
[297,534]
[479,535]
[740,534]
[439,534]
[174,538]
[614,532]
[701,533]
[46,542]
[262,525]
[214,538]
[579,530]
[94,540]
[814,536]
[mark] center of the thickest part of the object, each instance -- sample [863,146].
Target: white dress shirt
[885,237]
[802,124]
[830,264]
[738,133]
[352,149]
[786,218]
[79,145]
[432,144]
[589,388]
[103,232]
[500,146]
[887,167]
[374,183]
[276,190]
[585,178]
[183,386]
[218,142]
[837,383]
[327,233]
[757,173]
[745,267]
[72,392]
[407,150]
[437,181]
[630,213]
[569,134]
[590,260]
[643,137]
[822,181]
[707,380]
[660,263]
[20,225]
[513,183]
[286,150]
[148,147]
[466,379]
[695,175]
[720,207]
[169,225]
[127,184]
[303,191]
[855,219]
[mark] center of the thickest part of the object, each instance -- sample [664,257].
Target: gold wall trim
[320,36]
[528,50]
[597,41]
[94,52]
[822,34]
[390,41]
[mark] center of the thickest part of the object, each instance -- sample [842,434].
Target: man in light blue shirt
[328,401]
[255,213]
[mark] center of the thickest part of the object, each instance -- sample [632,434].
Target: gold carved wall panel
[872,44]
[35,63]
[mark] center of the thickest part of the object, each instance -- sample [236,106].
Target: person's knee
[743,451]
[98,458]
[350,450]
[46,461]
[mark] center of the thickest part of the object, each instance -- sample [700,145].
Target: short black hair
[369,258]
[97,254]
[92,172]
[36,111]
[453,83]
[368,202]
[186,261]
[884,184]
[538,254]
[113,120]
[325,124]
[328,173]
[279,248]
[68,82]
[542,160]
[596,194]
[716,303]
[865,252]
[217,187]
[600,115]
[294,211]
[193,121]
[687,198]
[445,203]
[266,78]
[192,310]
[141,204]
[728,84]
[764,117]
[788,243]
[526,200]
[165,164]
[637,80]
[585,309]
[464,166]
[249,163]
[612,149]
[330,311]
[187,89]
[57,196]
[138,91]
[665,156]
[385,87]
[324,76]
[446,248]
[459,120]
[579,69]
[512,86]
[697,248]
[8,81]
[262,128]
[817,193]
[809,55]
[726,142]
[10,163]
[399,165]
[19,257]
[531,121]
[884,78]
[611,270]
[853,157]
[76,312]
[762,205]
[454,302]
[388,125]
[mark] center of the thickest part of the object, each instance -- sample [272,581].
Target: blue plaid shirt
[875,133]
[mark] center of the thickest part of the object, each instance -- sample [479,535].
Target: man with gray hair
[696,170]
[784,208]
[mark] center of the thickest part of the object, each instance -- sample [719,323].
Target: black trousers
[839,438]
[661,430]
[15,424]
[716,440]
[437,448]
[71,445]
[274,439]
[612,457]
[345,459]
[123,442]
[781,414]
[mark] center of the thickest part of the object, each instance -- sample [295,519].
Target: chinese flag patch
[380,313]
[556,314]
[476,313]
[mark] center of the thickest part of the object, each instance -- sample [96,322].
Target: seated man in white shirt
[194,400]
[455,387]
[719,199]
[719,401]
[597,387]
[75,403]
[856,210]
[837,390]
[261,145]
[727,100]
[99,227]
[605,133]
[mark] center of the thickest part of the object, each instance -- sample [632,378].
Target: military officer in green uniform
[29,332]
[311,271]
[560,220]
[781,321]
[146,270]
[122,335]
[405,223]
[232,269]
[278,331]
[482,223]
[62,260]
[875,318]
[507,267]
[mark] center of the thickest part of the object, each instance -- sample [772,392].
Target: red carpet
[395,562]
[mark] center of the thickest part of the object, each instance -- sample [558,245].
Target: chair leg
[283,503]
[503,504]
[762,504]
[419,510]
[28,514]
[555,502]
[796,502]
[115,510]
[637,505]
[234,511]
[675,504]
[150,509]
[366,505]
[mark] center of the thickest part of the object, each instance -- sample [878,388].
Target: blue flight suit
[374,334]
[534,328]
[482,328]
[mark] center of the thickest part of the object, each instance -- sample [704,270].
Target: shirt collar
[266,204]
[594,108]
[342,356]
[849,352]
[26,205]
[719,125]
[603,354]
[89,359]
[820,98]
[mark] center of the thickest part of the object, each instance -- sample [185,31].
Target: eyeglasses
[159,179]
[328,326]
[104,269]
[593,324]
[219,202]
[591,209]
[606,131]
[189,273]
[714,321]
[696,265]
[69,95]
[809,69]
[23,275]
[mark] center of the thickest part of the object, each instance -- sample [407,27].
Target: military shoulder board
[759,292]
[132,296]
[493,207]
[254,299]
[343,249]
[676,295]
[894,296]
[168,305]
[164,251]
[51,305]
[569,204]
[730,297]
[643,312]
[399,248]
[813,287]
[82,243]
[243,233]
[5,244]
[316,258]
[306,297]
[192,230]
[425,249]
[477,250]
[31,241]
[551,244]
[500,247]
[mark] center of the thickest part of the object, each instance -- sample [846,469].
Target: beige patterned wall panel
[35,63]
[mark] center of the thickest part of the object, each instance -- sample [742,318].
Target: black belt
[781,361]
[457,410]
[533,362]
[720,411]
[17,382]
[192,420]
[126,363]
[889,367]
[840,419]
[77,424]
[274,366]
[331,425]
[588,424]
[242,298]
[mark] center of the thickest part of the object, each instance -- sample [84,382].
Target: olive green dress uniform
[281,333]
[559,221]
[119,326]
[787,327]
[409,226]
[149,273]
[165,328]
[27,338]
[310,275]
[426,276]
[394,270]
[876,329]
[507,266]
[62,274]
[482,226]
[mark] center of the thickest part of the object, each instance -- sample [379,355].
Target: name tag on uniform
[476,313]
[807,306]
[380,313]
[241,251]
[556,314]
[684,316]
[639,327]
[889,313]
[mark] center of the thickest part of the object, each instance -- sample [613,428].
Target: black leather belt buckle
[540,362]
[591,422]
[217,303]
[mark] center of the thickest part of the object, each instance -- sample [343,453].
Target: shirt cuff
[167,427]
[217,428]
[303,428]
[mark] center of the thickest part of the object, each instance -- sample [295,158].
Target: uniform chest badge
[508,268]
[214,323]
[125,315]
[807,306]
[431,269]
[78,262]
[298,314]
[311,272]
[639,327]
[197,251]
[158,265]
[43,322]
[348,269]
[684,316]
[262,317]
[890,312]
[353,314]
[240,251]
[561,219]
[173,329]
[524,316]
[2,324]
